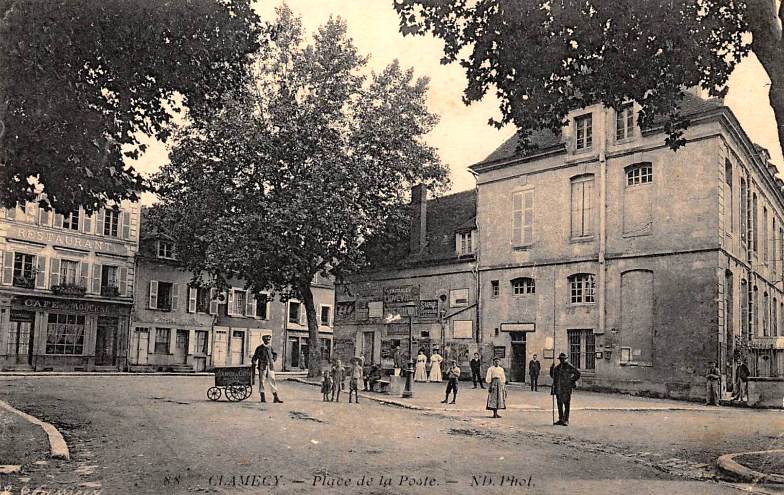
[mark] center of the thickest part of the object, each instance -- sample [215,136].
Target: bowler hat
[562,355]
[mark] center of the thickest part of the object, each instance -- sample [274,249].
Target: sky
[463,136]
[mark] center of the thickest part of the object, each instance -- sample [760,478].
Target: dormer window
[166,250]
[624,123]
[465,243]
[583,132]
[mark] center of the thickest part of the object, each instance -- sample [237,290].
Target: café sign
[70,306]
[69,241]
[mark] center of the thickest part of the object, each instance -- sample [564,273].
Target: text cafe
[45,334]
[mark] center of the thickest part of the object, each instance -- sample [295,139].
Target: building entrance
[517,366]
[20,338]
[106,341]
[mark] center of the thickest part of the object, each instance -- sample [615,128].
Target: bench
[380,386]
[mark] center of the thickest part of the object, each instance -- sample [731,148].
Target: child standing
[355,379]
[452,375]
[326,384]
[337,379]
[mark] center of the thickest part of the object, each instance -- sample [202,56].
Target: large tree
[82,80]
[546,57]
[301,169]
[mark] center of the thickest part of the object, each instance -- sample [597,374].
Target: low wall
[766,392]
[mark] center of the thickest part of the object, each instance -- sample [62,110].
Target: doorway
[21,334]
[106,341]
[517,365]
[181,347]
[368,347]
[142,345]
[237,347]
[298,353]
[219,349]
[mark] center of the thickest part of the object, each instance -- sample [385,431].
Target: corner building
[641,263]
[66,288]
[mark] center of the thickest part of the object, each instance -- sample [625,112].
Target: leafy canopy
[544,58]
[83,79]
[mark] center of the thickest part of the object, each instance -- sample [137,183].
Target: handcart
[235,382]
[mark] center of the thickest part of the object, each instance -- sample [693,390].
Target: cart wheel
[235,393]
[248,391]
[213,393]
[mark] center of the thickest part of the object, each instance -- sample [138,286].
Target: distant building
[67,286]
[180,326]
[429,277]
[641,263]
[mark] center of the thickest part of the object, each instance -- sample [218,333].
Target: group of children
[333,380]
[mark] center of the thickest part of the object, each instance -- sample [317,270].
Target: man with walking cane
[565,378]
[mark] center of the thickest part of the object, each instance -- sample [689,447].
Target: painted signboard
[400,295]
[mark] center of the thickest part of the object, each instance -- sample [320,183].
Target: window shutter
[213,302]
[126,225]
[230,310]
[153,294]
[303,315]
[8,268]
[87,223]
[10,213]
[175,296]
[123,281]
[58,221]
[54,272]
[40,274]
[96,278]
[250,304]
[43,217]
[99,223]
[192,293]
[528,217]
[84,274]
[517,218]
[473,245]
[254,307]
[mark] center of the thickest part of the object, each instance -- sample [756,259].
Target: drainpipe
[478,339]
[602,275]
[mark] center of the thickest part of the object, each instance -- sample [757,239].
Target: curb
[57,445]
[727,464]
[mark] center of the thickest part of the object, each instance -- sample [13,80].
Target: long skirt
[435,373]
[496,395]
[420,374]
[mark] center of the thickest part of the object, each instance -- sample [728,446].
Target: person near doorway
[713,377]
[534,367]
[266,356]
[496,392]
[420,374]
[742,374]
[565,378]
[435,367]
[397,360]
[476,371]
[326,385]
[338,374]
[452,376]
[355,378]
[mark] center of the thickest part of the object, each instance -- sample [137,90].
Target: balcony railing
[68,290]
[110,291]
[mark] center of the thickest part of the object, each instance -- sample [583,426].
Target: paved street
[159,434]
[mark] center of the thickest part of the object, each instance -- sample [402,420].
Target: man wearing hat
[564,377]
[266,358]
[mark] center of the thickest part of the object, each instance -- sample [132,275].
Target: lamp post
[410,310]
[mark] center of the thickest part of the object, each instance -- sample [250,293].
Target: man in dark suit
[534,367]
[266,358]
[565,378]
[476,371]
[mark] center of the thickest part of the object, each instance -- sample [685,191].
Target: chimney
[418,232]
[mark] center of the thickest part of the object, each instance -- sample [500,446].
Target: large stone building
[180,326]
[428,282]
[67,286]
[640,262]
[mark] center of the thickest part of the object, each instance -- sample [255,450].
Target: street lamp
[410,309]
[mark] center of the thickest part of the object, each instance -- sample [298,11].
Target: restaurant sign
[68,241]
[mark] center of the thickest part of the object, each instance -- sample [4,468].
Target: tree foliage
[544,58]
[300,169]
[83,79]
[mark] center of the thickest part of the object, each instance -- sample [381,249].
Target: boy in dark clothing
[452,376]
[476,371]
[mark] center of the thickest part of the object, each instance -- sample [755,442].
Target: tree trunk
[764,25]
[314,342]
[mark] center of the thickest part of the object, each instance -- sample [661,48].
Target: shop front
[298,350]
[63,334]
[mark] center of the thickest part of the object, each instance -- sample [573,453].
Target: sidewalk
[21,443]
[755,467]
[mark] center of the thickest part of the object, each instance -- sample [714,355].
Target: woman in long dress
[435,367]
[496,392]
[420,374]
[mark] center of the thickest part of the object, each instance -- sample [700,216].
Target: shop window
[584,132]
[162,340]
[582,349]
[24,270]
[201,341]
[326,315]
[523,285]
[111,221]
[65,334]
[495,288]
[582,288]
[295,309]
